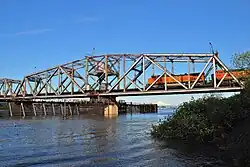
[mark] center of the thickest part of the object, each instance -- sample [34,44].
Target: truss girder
[65,78]
[110,73]
[8,87]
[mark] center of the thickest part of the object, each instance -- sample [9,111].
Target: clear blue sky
[49,32]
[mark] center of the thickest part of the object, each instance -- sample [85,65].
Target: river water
[88,141]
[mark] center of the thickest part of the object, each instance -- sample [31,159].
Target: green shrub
[222,121]
[195,120]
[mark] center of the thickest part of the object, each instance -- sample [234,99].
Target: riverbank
[222,123]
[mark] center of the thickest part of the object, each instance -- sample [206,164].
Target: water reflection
[86,140]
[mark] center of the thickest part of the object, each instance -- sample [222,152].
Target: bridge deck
[131,93]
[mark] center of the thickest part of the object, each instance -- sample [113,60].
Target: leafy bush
[223,122]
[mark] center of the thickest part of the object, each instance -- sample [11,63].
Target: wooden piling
[44,109]
[61,109]
[77,109]
[64,109]
[22,107]
[131,110]
[53,109]
[70,110]
[34,108]
[10,108]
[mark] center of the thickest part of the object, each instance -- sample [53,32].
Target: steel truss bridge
[115,75]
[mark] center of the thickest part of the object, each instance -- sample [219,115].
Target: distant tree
[241,60]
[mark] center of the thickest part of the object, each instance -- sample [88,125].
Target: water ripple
[85,141]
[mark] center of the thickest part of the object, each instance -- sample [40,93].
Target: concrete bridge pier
[110,105]
[110,109]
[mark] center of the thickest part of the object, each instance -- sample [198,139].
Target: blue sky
[45,33]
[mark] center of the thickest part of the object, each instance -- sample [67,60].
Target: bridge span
[112,75]
[126,75]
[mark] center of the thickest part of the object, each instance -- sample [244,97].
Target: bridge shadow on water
[87,140]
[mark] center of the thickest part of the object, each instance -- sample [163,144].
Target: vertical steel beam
[87,73]
[214,71]
[59,81]
[40,86]
[124,71]
[24,88]
[8,87]
[46,84]
[143,72]
[106,71]
[4,88]
[189,72]
[153,70]
[35,86]
[50,87]
[193,66]
[172,63]
[135,71]
[31,89]
[165,73]
[119,72]
[11,84]
[72,83]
